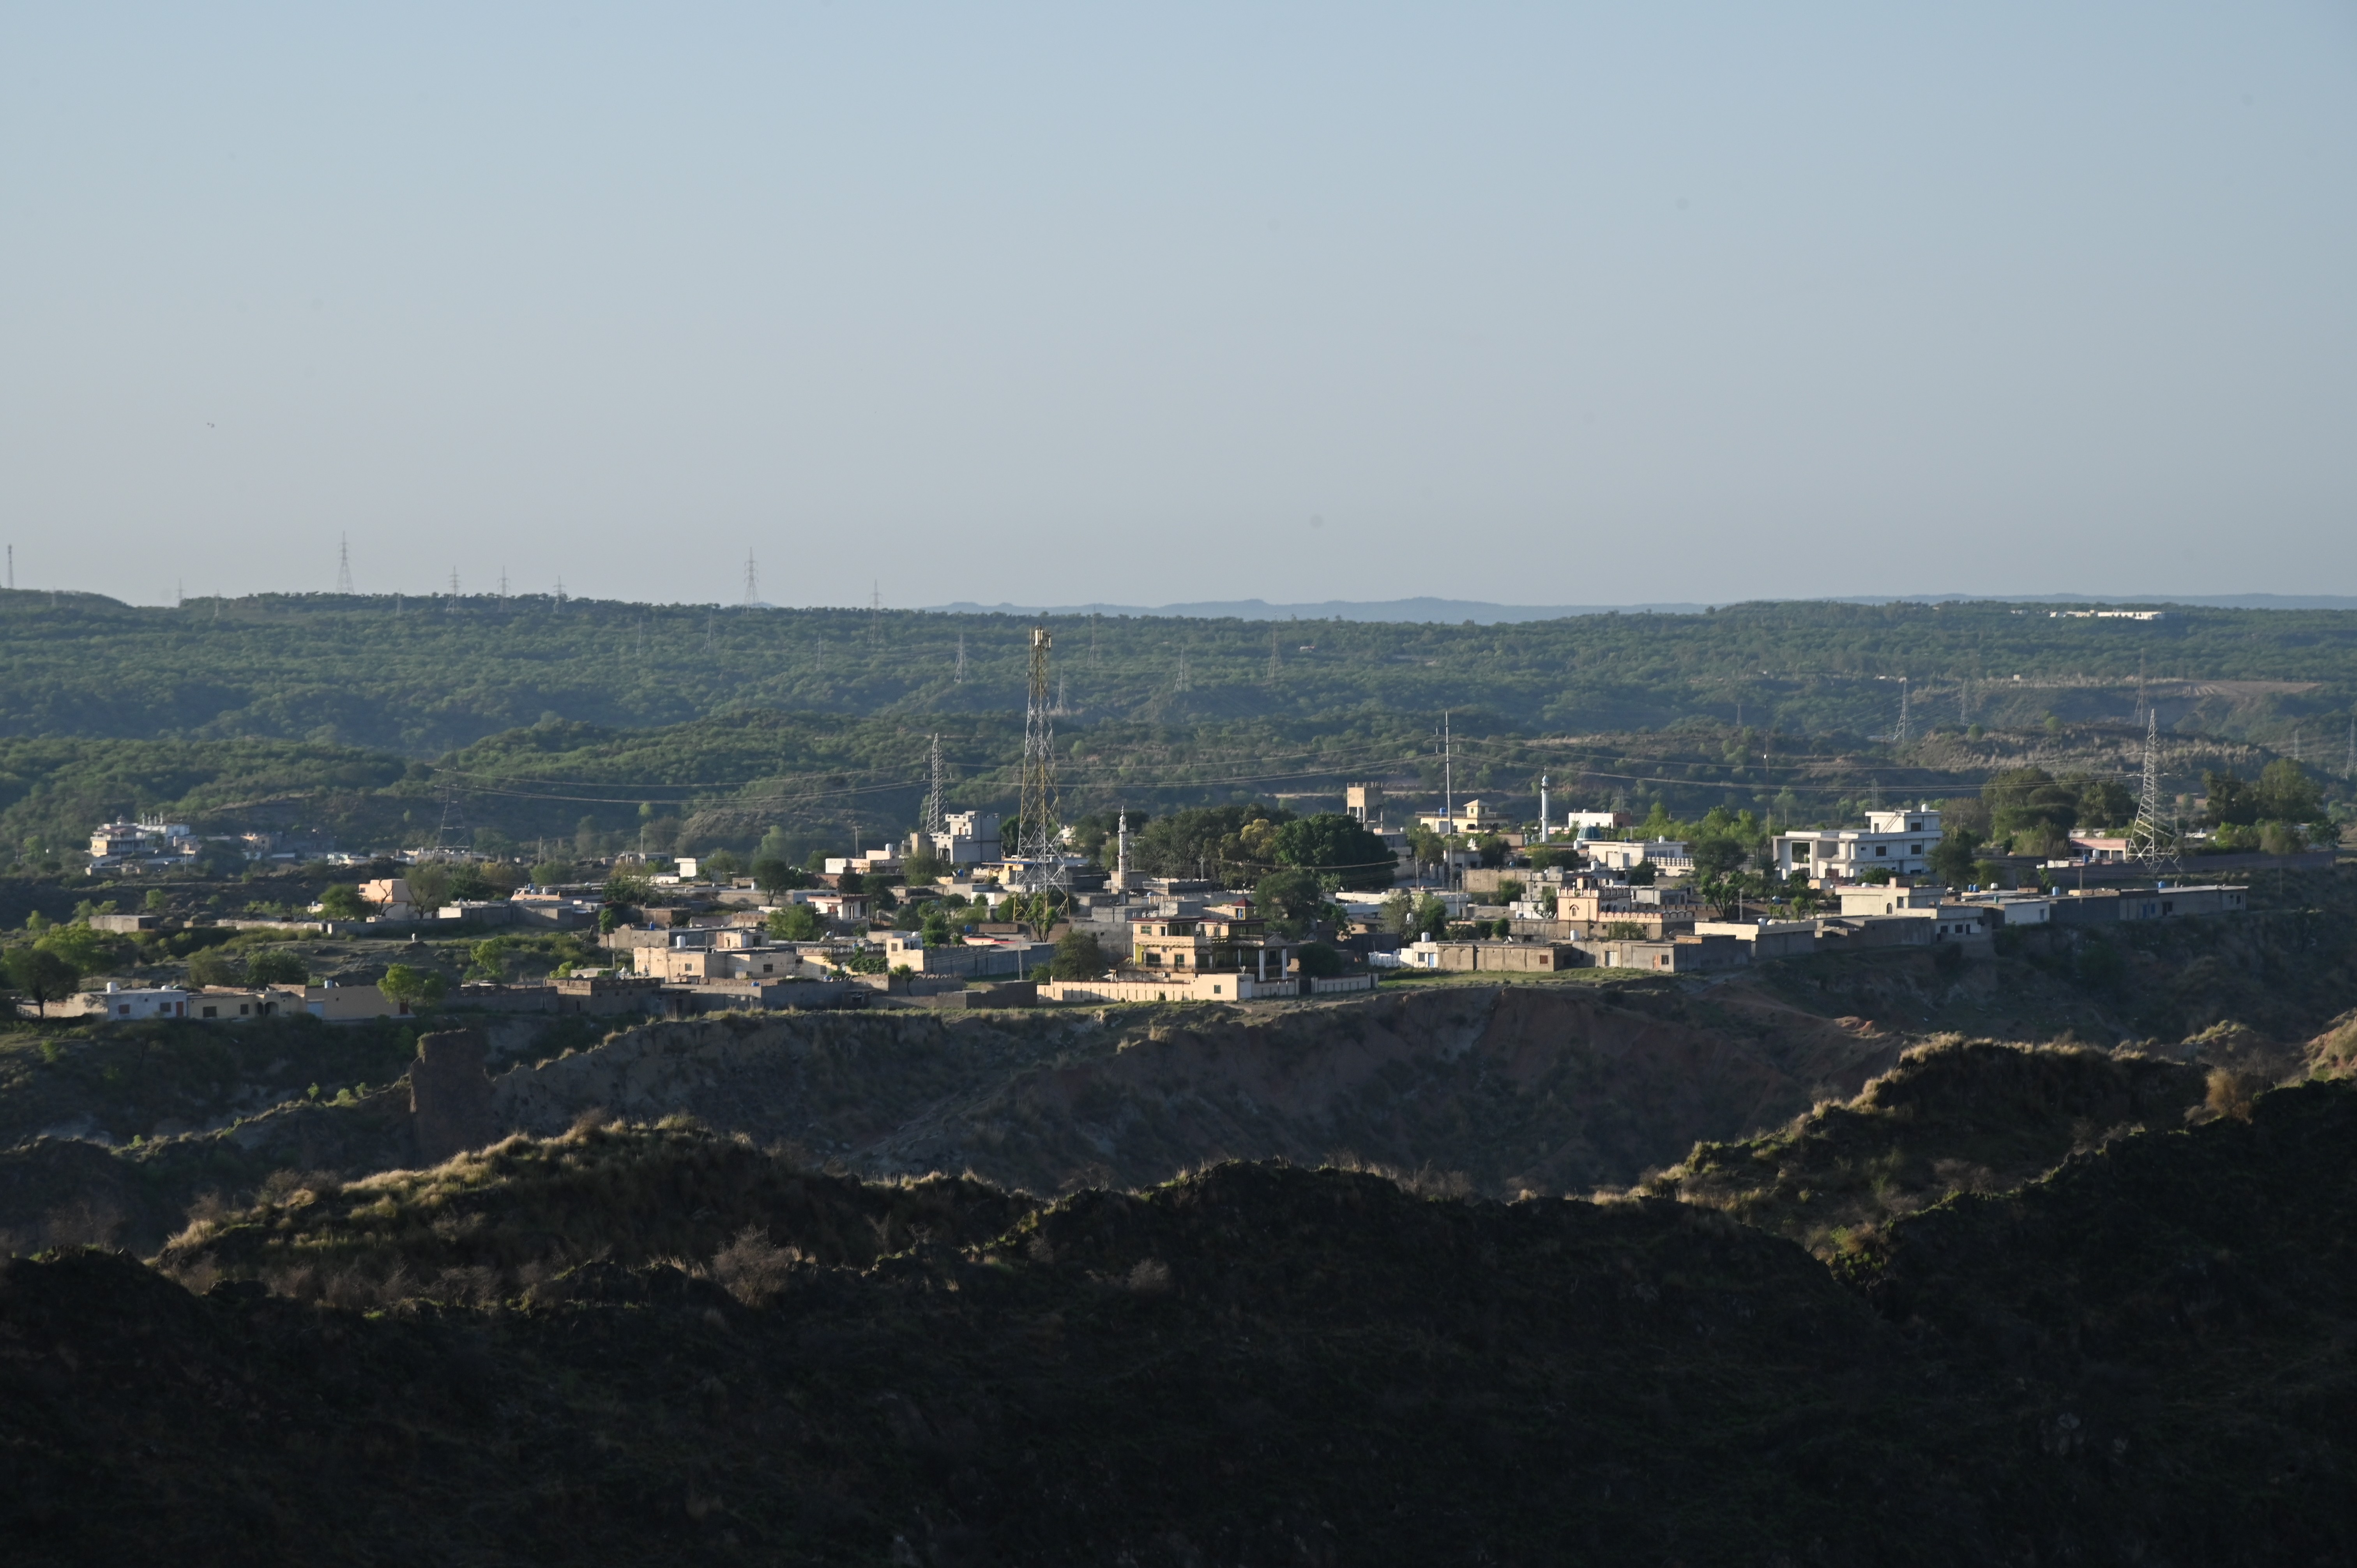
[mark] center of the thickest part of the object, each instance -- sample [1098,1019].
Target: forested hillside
[728,779]
[421,677]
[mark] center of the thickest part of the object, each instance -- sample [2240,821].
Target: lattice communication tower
[937,798]
[2149,843]
[1041,867]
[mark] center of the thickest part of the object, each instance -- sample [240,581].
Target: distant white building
[1621,854]
[1897,842]
[133,844]
[968,838]
[120,1003]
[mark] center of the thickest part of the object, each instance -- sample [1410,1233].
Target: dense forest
[421,678]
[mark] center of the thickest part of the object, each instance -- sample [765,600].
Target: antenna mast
[1447,773]
[1041,868]
[343,564]
[751,581]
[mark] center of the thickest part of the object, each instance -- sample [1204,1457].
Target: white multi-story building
[119,843]
[1897,842]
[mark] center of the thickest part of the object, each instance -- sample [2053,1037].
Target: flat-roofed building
[1897,842]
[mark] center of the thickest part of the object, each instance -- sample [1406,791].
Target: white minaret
[1121,863]
[1544,833]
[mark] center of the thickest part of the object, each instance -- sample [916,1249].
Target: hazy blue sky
[1538,304]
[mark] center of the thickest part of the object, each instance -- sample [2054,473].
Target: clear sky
[1536,304]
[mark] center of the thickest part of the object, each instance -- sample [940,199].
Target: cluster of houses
[1611,903]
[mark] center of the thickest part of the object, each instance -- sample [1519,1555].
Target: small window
[211,1012]
[1882,849]
[125,1010]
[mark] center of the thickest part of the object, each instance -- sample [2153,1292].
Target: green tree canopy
[417,987]
[1078,957]
[1320,961]
[2286,794]
[2229,801]
[797,923]
[276,966]
[1952,857]
[1339,846]
[42,975]
[1289,900]
[2029,805]
[343,902]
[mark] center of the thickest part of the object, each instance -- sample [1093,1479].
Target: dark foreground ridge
[2143,1357]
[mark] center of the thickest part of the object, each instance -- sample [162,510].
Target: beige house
[1225,939]
[388,898]
[337,1003]
[1472,817]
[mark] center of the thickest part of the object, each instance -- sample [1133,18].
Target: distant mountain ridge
[1485,613]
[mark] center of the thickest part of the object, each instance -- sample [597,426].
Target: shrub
[277,967]
[797,923]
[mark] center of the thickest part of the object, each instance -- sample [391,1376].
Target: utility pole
[12,568]
[1905,721]
[1447,773]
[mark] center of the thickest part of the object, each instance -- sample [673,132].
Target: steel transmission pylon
[937,797]
[2149,843]
[1038,865]
[343,564]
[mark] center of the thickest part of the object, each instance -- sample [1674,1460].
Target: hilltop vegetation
[420,678]
[727,779]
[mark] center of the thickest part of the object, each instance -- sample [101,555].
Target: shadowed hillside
[2131,1361]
